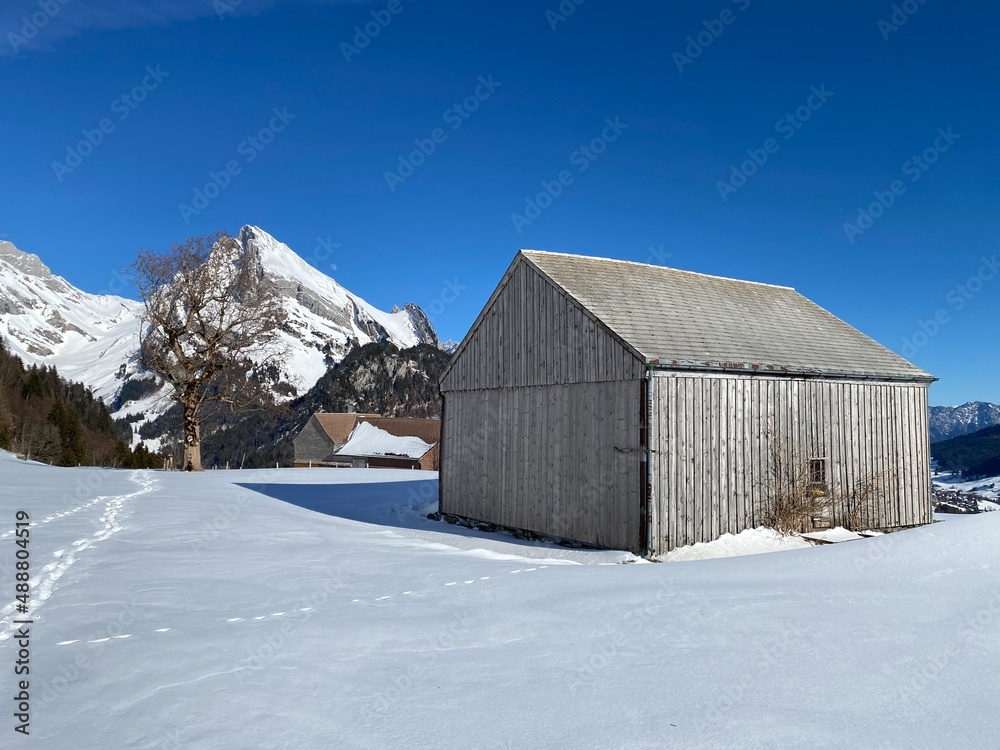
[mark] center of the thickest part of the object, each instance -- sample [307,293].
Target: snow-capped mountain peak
[47,321]
[22,261]
[325,316]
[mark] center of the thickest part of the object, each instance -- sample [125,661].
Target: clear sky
[426,141]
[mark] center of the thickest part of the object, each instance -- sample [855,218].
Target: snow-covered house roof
[371,441]
[428,430]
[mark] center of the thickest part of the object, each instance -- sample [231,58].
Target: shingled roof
[683,319]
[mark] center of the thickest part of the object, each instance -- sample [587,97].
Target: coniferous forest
[44,417]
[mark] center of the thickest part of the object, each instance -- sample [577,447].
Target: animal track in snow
[258,618]
[448,583]
[124,636]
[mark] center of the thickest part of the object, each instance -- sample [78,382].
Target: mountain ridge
[947,422]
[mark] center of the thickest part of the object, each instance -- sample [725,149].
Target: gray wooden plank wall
[710,438]
[561,460]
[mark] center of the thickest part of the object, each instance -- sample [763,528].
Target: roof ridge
[654,265]
[669,315]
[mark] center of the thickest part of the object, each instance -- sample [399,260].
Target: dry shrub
[789,497]
[856,505]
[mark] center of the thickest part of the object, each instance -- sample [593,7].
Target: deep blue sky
[450,222]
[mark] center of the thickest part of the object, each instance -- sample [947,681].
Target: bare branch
[210,324]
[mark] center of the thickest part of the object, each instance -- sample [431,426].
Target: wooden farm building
[644,408]
[368,441]
[323,435]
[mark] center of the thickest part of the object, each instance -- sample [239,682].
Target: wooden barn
[644,408]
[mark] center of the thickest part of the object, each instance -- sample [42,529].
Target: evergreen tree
[72,451]
[34,385]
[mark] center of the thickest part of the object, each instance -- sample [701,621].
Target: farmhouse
[368,441]
[644,408]
[323,435]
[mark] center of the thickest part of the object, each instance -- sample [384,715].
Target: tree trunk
[192,440]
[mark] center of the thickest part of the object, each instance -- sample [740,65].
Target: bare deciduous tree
[208,312]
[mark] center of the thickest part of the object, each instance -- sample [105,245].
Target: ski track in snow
[294,612]
[44,583]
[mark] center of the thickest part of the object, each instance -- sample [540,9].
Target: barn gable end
[542,405]
[532,332]
[313,443]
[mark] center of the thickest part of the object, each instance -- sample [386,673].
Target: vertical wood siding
[710,440]
[560,460]
[532,333]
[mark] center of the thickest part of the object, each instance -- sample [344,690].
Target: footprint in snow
[56,516]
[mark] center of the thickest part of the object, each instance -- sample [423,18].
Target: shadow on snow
[384,503]
[402,505]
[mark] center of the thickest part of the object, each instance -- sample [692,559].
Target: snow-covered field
[317,608]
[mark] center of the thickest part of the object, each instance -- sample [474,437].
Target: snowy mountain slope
[318,609]
[45,320]
[947,422]
[87,337]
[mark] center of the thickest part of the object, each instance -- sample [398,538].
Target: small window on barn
[817,476]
